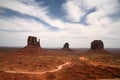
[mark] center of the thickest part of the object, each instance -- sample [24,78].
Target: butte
[97,46]
[33,46]
[66,47]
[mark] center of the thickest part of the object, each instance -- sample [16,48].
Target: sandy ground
[58,65]
[54,70]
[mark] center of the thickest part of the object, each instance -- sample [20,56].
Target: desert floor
[55,64]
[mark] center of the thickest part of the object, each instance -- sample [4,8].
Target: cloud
[100,24]
[22,24]
[104,8]
[2,11]
[76,9]
[73,10]
[32,8]
[107,6]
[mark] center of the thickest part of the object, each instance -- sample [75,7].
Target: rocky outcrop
[32,41]
[97,44]
[66,47]
[33,46]
[97,47]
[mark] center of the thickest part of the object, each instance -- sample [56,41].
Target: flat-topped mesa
[33,46]
[32,41]
[97,45]
[66,47]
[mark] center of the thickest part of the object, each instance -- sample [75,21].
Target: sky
[55,22]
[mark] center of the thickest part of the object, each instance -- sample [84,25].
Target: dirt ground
[54,64]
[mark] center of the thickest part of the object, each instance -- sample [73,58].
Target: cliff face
[32,40]
[97,47]
[97,44]
[33,46]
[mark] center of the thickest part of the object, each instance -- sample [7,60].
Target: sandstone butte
[66,47]
[33,46]
[97,46]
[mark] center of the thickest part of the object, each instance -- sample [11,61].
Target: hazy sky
[58,21]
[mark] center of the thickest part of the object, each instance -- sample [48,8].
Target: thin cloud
[73,10]
[21,24]
[34,9]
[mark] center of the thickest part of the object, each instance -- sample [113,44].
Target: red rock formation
[97,47]
[33,46]
[97,44]
[66,47]
[33,41]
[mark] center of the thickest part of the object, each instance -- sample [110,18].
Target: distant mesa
[66,47]
[33,46]
[97,45]
[32,41]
